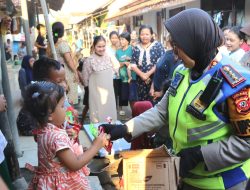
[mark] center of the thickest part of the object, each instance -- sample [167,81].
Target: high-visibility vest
[186,130]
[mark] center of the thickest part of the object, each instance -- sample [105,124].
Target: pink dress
[51,174]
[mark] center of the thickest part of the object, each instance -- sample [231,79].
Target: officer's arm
[152,119]
[236,148]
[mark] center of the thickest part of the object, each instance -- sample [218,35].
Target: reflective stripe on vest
[188,131]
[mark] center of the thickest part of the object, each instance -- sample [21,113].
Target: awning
[13,7]
[139,7]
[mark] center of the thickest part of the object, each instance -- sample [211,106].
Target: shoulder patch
[233,77]
[242,101]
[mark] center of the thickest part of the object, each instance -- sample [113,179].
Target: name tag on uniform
[232,76]
[175,83]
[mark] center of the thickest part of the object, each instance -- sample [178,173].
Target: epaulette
[233,77]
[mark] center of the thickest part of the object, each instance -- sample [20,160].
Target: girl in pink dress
[61,164]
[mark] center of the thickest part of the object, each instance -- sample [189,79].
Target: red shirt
[245,46]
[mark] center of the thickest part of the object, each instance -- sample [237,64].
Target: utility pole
[26,27]
[48,27]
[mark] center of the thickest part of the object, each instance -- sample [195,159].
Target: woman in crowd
[115,43]
[65,57]
[234,40]
[111,50]
[25,73]
[127,77]
[98,76]
[145,56]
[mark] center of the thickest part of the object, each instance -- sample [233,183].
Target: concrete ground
[27,144]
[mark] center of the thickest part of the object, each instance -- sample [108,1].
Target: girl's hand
[101,140]
[71,133]
[3,103]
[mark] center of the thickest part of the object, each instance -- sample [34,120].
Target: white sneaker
[122,112]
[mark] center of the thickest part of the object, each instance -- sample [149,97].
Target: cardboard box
[150,169]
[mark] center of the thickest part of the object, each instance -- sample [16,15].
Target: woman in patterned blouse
[145,56]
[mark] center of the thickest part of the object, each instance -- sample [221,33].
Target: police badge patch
[242,101]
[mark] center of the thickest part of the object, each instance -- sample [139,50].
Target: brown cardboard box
[150,169]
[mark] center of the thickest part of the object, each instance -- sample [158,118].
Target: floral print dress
[145,59]
[51,173]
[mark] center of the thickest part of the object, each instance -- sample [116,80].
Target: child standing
[61,165]
[41,41]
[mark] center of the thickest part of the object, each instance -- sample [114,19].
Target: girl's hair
[42,68]
[58,31]
[126,36]
[146,27]
[98,39]
[41,99]
[236,30]
[113,33]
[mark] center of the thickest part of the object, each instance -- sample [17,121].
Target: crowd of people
[196,88]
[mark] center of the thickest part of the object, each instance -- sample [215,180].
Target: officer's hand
[115,131]
[190,157]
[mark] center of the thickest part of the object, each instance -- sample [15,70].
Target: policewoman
[207,108]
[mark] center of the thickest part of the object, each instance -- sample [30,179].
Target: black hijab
[195,32]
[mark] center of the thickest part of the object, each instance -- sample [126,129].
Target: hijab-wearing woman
[25,73]
[65,57]
[205,108]
[98,76]
[145,56]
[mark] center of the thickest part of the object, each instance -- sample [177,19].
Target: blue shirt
[164,69]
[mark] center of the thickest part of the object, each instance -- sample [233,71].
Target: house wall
[150,19]
[194,4]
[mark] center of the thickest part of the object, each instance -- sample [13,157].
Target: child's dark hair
[98,39]
[126,36]
[146,27]
[42,68]
[41,99]
[113,33]
[236,30]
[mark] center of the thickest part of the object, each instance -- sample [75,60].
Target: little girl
[61,165]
